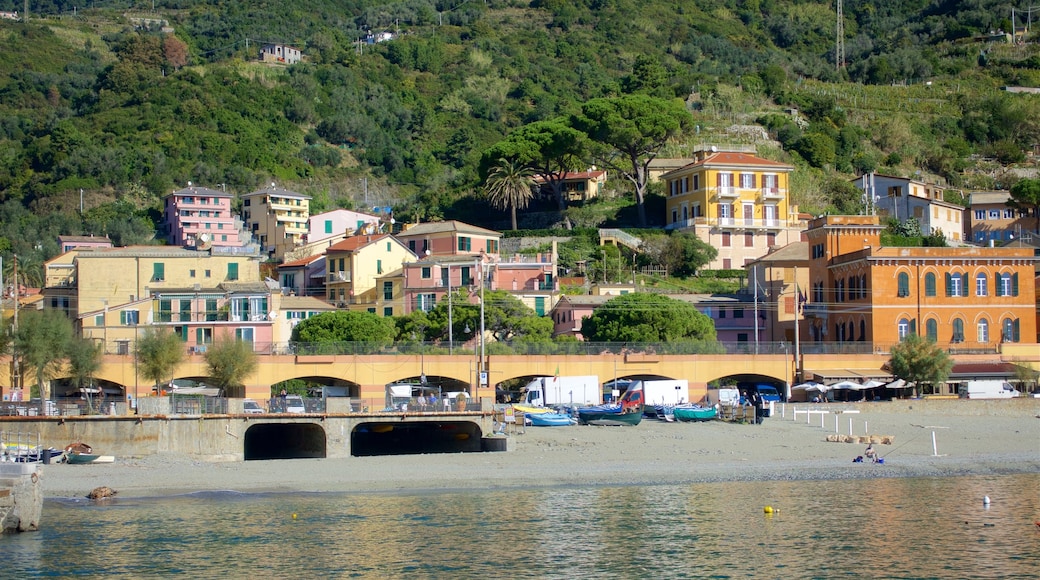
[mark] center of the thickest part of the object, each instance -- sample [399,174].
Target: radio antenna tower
[839,46]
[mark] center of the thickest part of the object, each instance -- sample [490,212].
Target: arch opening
[383,438]
[284,441]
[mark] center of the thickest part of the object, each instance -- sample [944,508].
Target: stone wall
[21,497]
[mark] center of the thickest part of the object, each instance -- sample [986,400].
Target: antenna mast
[839,47]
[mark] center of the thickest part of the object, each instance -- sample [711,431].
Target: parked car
[294,404]
[251,407]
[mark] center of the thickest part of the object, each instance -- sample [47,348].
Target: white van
[728,396]
[988,390]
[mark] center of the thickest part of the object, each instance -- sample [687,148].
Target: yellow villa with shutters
[735,201]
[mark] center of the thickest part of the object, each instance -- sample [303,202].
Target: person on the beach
[870,453]
[421,401]
[756,401]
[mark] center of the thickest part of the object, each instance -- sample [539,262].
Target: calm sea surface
[885,528]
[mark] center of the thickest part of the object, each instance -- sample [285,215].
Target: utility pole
[839,47]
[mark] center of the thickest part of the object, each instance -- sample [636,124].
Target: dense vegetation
[100,107]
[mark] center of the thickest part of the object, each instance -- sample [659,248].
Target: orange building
[966,299]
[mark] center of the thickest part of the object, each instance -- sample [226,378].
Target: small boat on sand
[550,419]
[694,412]
[628,411]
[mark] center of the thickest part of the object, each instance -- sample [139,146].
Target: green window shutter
[929,284]
[904,284]
[158,271]
[1016,329]
[964,283]
[232,271]
[211,309]
[389,247]
[184,333]
[122,317]
[99,320]
[913,326]
[328,226]
[379,266]
[949,284]
[1014,284]
[263,306]
[1000,284]
[932,330]
[539,305]
[164,311]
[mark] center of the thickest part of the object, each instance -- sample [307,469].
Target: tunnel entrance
[284,441]
[368,439]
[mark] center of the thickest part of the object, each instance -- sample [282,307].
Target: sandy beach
[653,452]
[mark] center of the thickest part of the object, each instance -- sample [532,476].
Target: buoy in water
[768,509]
[985,500]
[294,516]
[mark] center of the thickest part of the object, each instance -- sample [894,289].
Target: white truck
[656,392]
[576,390]
[991,389]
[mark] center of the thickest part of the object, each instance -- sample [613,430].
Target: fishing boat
[529,410]
[628,411]
[550,419]
[665,413]
[689,413]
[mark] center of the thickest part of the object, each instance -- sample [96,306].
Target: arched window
[981,285]
[1004,284]
[932,330]
[958,330]
[904,284]
[862,330]
[983,328]
[903,328]
[1008,330]
[929,284]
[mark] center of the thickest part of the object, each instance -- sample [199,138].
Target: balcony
[341,276]
[773,194]
[814,310]
[727,192]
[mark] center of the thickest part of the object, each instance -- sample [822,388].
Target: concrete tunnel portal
[308,440]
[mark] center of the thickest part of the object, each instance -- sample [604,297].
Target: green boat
[628,411]
[694,413]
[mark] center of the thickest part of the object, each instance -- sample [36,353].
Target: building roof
[143,252]
[592,300]
[355,243]
[196,190]
[986,197]
[302,262]
[279,191]
[734,159]
[85,239]
[576,175]
[342,211]
[793,252]
[668,163]
[248,287]
[446,226]
[304,303]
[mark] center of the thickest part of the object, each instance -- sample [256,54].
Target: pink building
[197,216]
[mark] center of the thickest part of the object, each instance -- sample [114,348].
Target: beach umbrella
[847,386]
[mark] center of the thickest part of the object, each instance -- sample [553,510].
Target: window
[425,273]
[994,214]
[388,248]
[328,226]
[903,328]
[722,313]
[1003,284]
[931,329]
[232,271]
[465,243]
[738,313]
[158,272]
[539,305]
[983,329]
[904,284]
[742,337]
[747,180]
[492,246]
[725,240]
[99,320]
[207,273]
[749,240]
[191,273]
[203,336]
[863,330]
[958,330]
[185,314]
[411,245]
[981,285]
[426,302]
[955,284]
[929,284]
[1007,333]
[388,290]
[211,309]
[164,311]
[388,311]
[379,266]
[244,334]
[980,214]
[465,275]
[1009,214]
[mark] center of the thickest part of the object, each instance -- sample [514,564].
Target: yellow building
[734,201]
[353,266]
[100,279]
[277,218]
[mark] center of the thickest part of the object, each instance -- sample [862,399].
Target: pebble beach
[654,452]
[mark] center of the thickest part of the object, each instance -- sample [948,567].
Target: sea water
[864,528]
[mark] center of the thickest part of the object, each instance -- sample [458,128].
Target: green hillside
[101,104]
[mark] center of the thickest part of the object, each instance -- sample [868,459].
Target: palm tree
[510,184]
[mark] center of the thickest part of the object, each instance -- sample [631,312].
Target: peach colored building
[449,238]
[965,299]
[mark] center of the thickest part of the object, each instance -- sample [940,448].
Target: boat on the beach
[80,453]
[550,419]
[694,412]
[531,410]
[628,411]
[665,413]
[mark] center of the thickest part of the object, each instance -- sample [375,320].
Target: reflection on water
[892,528]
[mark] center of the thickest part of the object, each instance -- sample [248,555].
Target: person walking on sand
[756,401]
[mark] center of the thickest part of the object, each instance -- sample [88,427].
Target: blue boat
[550,419]
[629,411]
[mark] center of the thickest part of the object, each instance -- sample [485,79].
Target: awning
[984,370]
[861,375]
